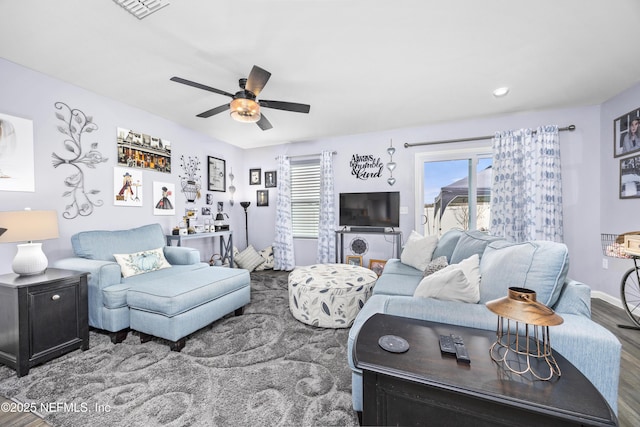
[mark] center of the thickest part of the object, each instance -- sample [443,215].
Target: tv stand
[396,235]
[367,229]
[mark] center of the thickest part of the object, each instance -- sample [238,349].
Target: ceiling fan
[244,106]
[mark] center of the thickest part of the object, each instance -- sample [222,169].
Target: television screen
[380,209]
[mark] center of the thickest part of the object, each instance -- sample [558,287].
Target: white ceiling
[363,66]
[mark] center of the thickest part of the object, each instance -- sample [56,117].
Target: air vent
[142,8]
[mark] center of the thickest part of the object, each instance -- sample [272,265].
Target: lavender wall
[580,162]
[31,95]
[588,166]
[616,215]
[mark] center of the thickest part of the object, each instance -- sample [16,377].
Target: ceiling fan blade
[264,123]
[287,106]
[214,111]
[258,78]
[200,86]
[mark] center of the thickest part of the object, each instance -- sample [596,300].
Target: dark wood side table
[425,387]
[42,317]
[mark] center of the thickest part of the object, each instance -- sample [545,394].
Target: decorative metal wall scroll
[74,125]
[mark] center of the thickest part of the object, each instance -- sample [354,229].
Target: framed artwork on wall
[254,176]
[139,150]
[377,265]
[630,177]
[270,179]
[354,260]
[127,187]
[626,133]
[17,172]
[164,198]
[216,177]
[263,197]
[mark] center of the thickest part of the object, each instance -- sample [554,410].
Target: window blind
[305,197]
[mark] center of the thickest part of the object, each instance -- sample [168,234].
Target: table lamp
[27,226]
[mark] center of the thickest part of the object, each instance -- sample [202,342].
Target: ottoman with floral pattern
[329,295]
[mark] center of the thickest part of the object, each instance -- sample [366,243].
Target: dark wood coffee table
[425,387]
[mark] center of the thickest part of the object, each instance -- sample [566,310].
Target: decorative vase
[191,189]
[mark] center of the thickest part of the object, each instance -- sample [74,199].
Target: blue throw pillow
[541,266]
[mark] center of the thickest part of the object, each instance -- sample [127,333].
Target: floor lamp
[245,205]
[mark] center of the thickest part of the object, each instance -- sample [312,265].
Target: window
[455,190]
[305,198]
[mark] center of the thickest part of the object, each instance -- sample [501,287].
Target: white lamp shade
[26,226]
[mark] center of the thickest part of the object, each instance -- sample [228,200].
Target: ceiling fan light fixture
[245,110]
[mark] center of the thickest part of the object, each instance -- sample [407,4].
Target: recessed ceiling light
[500,92]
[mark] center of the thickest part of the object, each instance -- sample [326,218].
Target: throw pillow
[141,262]
[269,261]
[434,265]
[418,250]
[448,284]
[471,242]
[249,259]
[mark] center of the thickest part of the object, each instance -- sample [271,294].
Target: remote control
[446,344]
[461,351]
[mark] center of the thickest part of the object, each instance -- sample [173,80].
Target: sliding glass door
[454,190]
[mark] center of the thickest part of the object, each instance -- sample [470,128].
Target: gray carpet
[263,368]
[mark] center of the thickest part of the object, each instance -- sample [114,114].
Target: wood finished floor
[603,313]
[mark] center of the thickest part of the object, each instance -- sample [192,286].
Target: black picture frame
[270,179]
[624,142]
[255,177]
[216,174]
[262,198]
[630,177]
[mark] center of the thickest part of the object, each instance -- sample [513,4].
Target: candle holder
[523,345]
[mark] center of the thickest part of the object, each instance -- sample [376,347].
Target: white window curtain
[327,218]
[283,254]
[526,196]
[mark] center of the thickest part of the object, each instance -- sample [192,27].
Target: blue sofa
[170,302]
[540,266]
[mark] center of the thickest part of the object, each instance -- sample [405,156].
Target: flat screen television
[379,209]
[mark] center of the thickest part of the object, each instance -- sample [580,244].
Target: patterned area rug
[263,368]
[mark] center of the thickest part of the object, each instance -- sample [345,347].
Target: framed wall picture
[216,174]
[354,260]
[263,197]
[17,170]
[630,177]
[270,179]
[626,133]
[127,187]
[254,176]
[139,150]
[377,265]
[164,198]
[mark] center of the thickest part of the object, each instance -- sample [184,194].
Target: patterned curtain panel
[284,257]
[327,220]
[526,196]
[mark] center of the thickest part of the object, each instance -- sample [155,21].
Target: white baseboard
[607,298]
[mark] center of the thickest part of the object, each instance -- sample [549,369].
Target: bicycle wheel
[630,292]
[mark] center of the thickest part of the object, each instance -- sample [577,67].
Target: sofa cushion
[435,264]
[249,259]
[269,261]
[456,282]
[471,242]
[537,265]
[102,244]
[141,262]
[447,243]
[418,250]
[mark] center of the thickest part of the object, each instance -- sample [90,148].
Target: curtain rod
[307,155]
[477,138]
